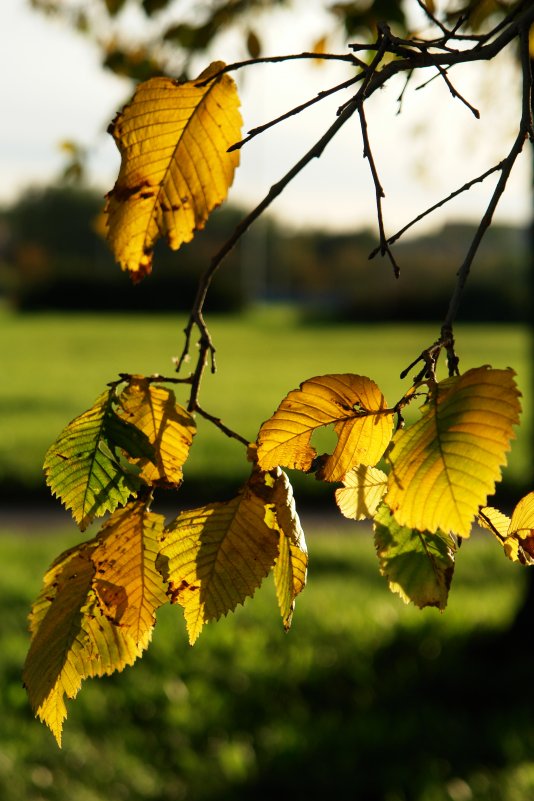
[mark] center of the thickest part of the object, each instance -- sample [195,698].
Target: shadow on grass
[401,712]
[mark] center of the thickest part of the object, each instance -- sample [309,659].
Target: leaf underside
[175,169]
[418,565]
[362,492]
[167,426]
[82,467]
[446,465]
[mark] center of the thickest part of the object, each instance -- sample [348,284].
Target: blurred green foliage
[53,256]
[58,364]
[363,698]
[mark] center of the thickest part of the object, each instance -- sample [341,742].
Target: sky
[54,89]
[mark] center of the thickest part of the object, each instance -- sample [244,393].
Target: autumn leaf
[352,403]
[216,556]
[362,492]
[418,565]
[292,562]
[516,534]
[84,468]
[128,585]
[175,169]
[167,426]
[446,465]
[95,612]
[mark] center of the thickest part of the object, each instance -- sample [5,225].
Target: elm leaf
[216,556]
[353,404]
[446,464]
[418,565]
[175,169]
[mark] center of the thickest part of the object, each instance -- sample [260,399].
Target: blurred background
[365,698]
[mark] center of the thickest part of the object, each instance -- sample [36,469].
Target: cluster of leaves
[422,485]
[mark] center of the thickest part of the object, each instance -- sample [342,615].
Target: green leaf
[82,467]
[418,565]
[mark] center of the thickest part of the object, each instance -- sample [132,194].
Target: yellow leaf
[352,403]
[216,556]
[495,521]
[127,583]
[95,612]
[522,521]
[516,535]
[292,562]
[168,427]
[446,464]
[173,139]
[362,492]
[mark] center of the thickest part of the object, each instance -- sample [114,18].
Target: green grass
[365,698]
[55,365]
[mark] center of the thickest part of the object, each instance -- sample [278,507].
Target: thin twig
[237,65]
[316,151]
[220,425]
[403,90]
[320,96]
[464,188]
[379,192]
[409,55]
[455,93]
[432,17]
[525,129]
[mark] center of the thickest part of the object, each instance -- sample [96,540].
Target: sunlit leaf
[495,521]
[292,562]
[72,639]
[83,468]
[417,564]
[216,556]
[95,612]
[173,139]
[128,585]
[362,492]
[446,465]
[352,403]
[168,427]
[516,535]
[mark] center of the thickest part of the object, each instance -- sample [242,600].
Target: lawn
[56,365]
[365,698]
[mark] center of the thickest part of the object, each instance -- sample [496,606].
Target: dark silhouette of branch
[392,239]
[409,56]
[321,96]
[525,132]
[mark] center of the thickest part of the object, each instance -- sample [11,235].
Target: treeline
[53,256]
